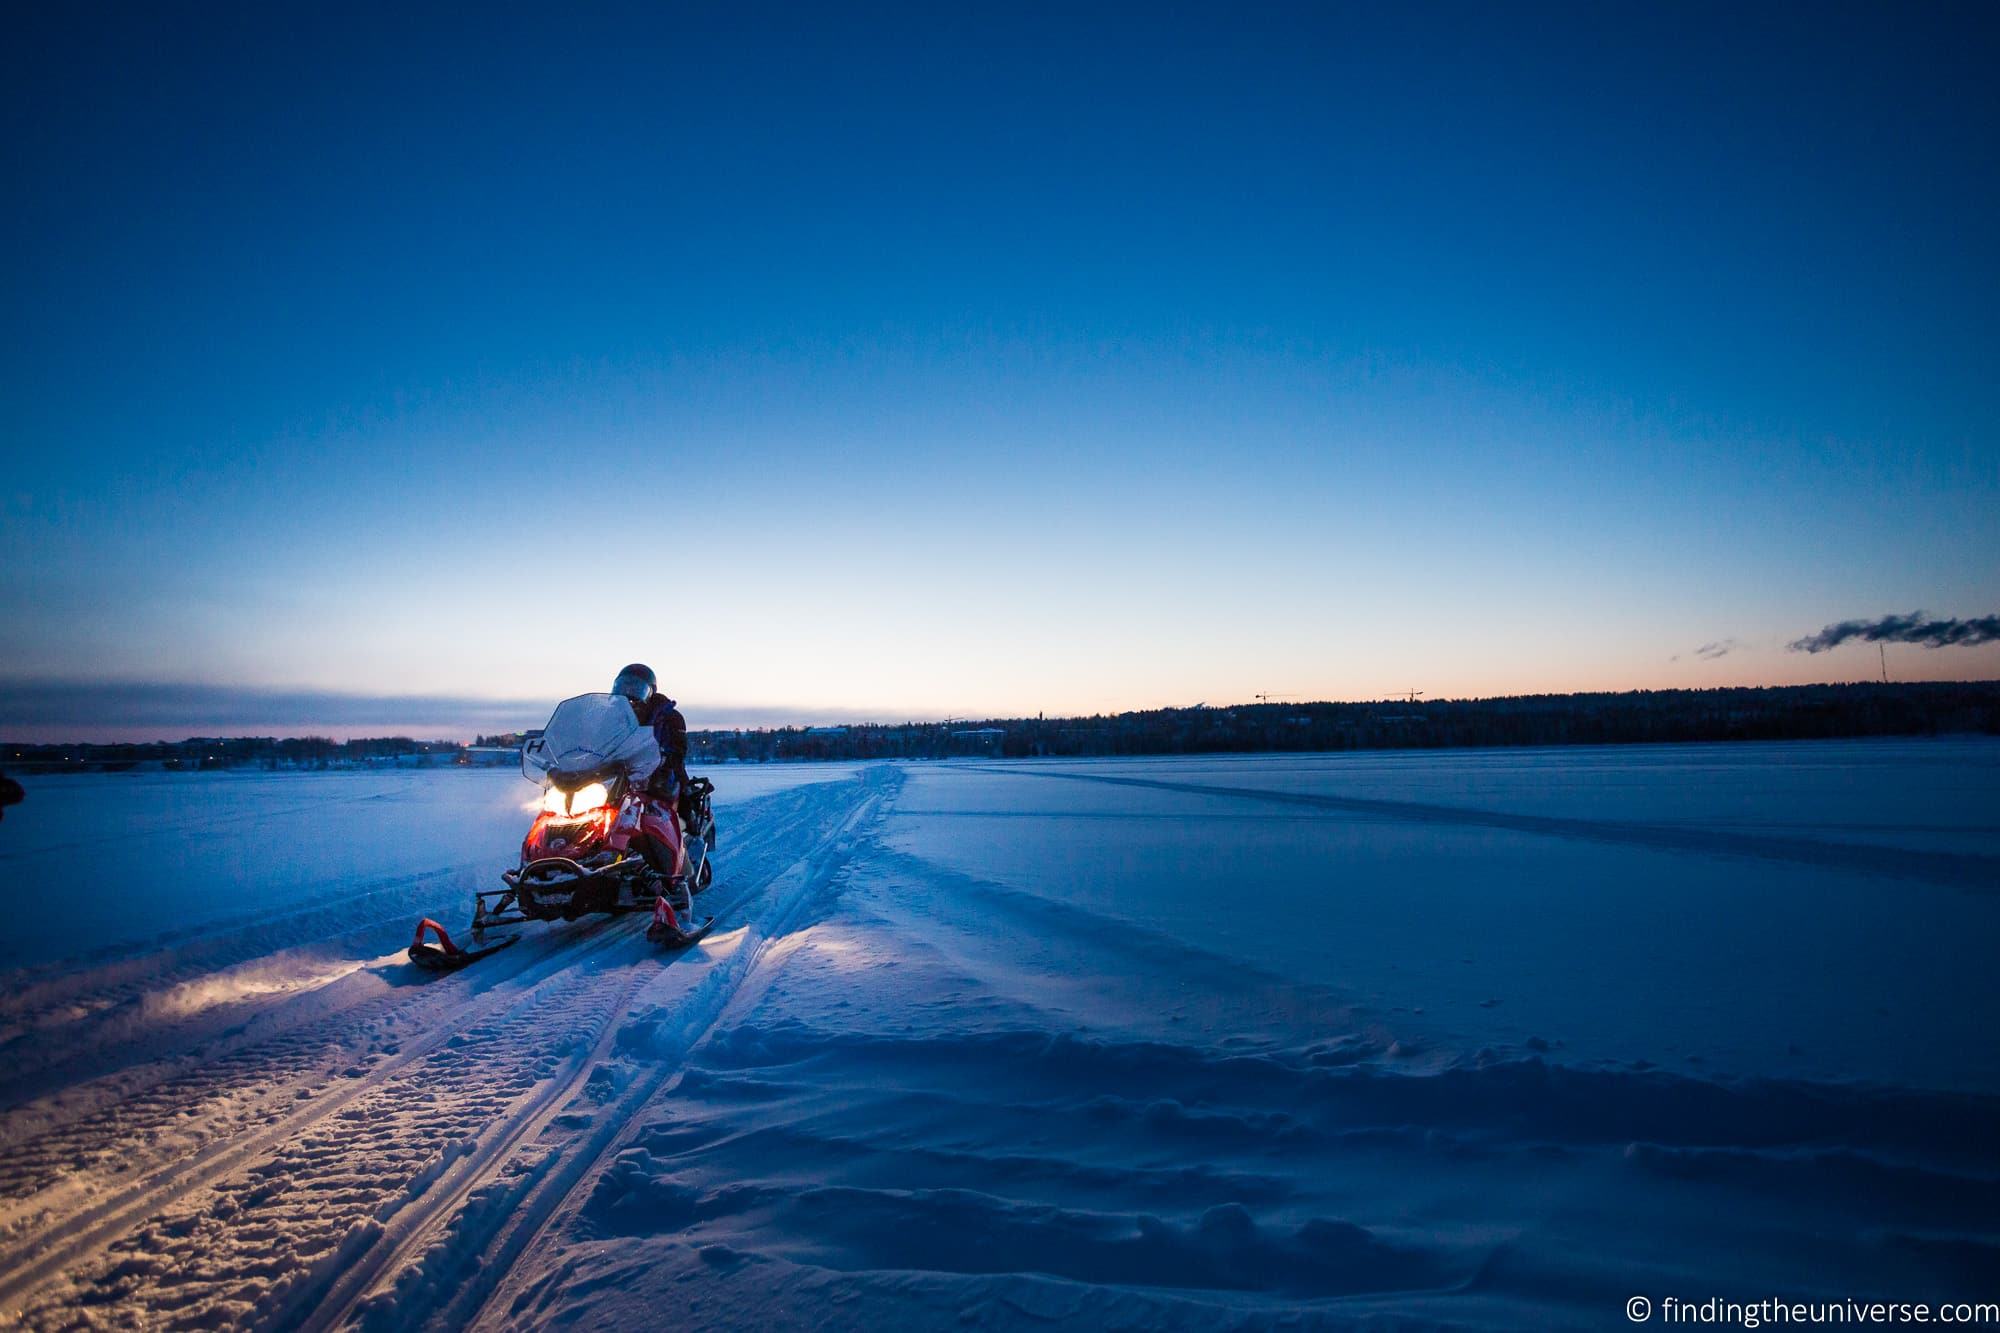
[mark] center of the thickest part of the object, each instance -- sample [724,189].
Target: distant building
[492,756]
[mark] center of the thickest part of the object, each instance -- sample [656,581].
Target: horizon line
[343,717]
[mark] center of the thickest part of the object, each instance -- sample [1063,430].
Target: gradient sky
[911,362]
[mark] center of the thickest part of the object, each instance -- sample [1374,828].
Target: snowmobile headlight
[553,801]
[588,798]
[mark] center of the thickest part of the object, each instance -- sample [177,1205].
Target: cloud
[1917,628]
[1708,652]
[36,710]
[226,709]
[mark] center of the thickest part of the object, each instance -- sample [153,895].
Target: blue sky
[901,363]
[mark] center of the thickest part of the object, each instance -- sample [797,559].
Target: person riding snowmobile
[670,730]
[669,782]
[609,835]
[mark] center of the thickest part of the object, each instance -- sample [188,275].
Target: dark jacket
[670,729]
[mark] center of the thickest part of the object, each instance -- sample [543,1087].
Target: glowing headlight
[588,798]
[552,801]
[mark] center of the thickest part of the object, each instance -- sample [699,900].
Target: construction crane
[1411,695]
[1268,698]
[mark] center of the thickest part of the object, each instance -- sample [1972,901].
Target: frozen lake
[1822,910]
[105,861]
[1473,1039]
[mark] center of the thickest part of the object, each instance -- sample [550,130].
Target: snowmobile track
[336,1166]
[61,1242]
[231,1090]
[476,1259]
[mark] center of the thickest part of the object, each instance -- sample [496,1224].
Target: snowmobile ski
[446,956]
[666,929]
[673,937]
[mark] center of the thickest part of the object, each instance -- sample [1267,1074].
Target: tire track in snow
[236,1232]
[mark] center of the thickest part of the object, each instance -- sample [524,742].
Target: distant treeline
[209,752]
[1785,712]
[1789,712]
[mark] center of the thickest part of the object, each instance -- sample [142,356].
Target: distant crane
[1411,695]
[1267,698]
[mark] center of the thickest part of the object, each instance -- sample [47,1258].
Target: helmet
[636,682]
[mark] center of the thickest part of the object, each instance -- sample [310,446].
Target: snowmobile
[602,840]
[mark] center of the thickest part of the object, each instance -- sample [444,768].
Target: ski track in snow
[909,1082]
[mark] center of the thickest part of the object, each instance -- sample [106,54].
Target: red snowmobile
[601,840]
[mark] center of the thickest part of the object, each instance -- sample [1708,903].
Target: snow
[113,860]
[1733,927]
[1469,1039]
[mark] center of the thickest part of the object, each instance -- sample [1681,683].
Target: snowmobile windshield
[586,735]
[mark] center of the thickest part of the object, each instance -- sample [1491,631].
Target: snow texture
[1471,1039]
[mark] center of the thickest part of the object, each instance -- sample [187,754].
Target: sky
[391,367]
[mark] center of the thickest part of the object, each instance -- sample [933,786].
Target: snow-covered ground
[1456,1039]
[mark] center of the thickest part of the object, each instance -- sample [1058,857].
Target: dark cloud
[103,710]
[1917,628]
[214,709]
[1708,652]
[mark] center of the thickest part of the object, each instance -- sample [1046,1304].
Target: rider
[670,730]
[638,686]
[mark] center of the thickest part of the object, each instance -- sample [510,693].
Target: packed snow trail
[469,1248]
[273,1185]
